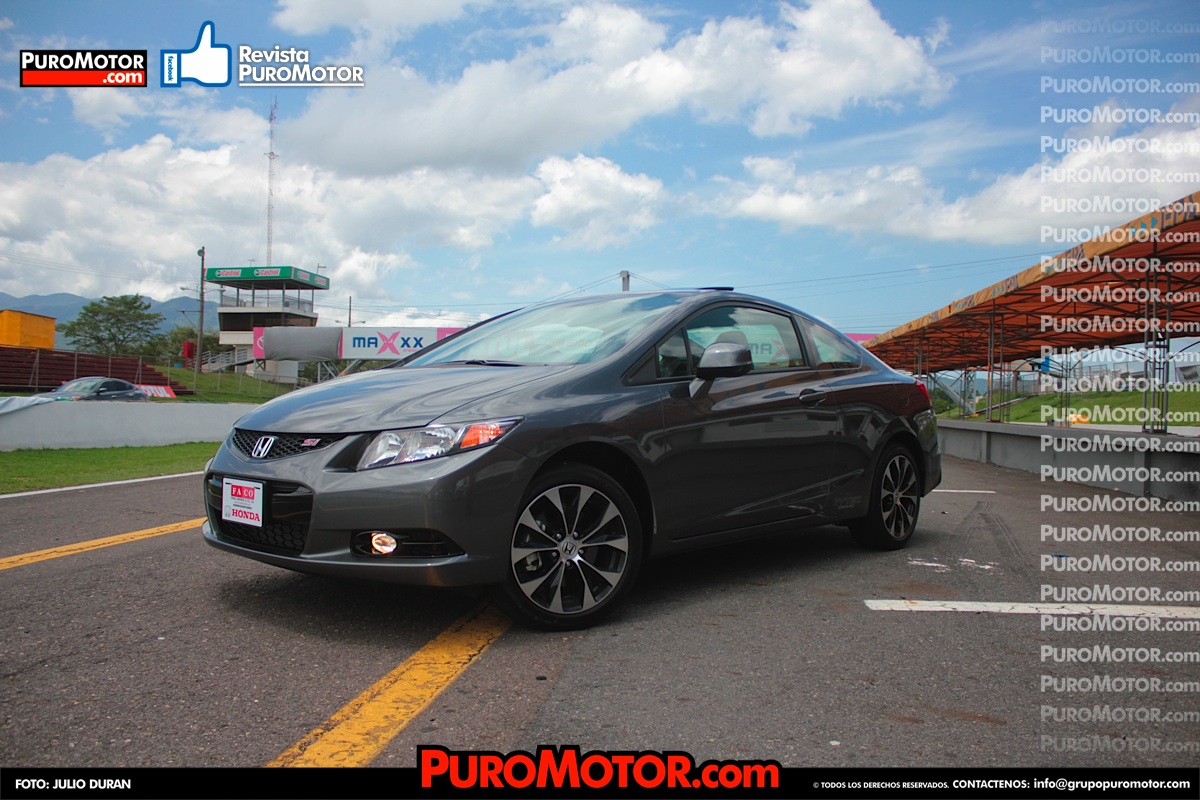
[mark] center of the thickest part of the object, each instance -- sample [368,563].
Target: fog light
[382,543]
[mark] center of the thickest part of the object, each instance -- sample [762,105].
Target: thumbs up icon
[207,64]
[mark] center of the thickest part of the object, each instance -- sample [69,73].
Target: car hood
[62,395]
[388,398]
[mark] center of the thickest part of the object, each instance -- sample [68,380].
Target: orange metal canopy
[1105,291]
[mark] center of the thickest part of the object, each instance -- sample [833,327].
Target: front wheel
[575,550]
[895,503]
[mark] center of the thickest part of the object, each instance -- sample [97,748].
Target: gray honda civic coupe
[550,451]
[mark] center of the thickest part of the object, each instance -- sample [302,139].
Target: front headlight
[419,444]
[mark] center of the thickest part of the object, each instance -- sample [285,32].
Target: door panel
[748,450]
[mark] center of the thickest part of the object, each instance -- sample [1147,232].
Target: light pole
[200,332]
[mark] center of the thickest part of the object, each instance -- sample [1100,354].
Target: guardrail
[60,425]
[1141,464]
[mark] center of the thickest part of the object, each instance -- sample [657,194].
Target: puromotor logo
[70,68]
[208,63]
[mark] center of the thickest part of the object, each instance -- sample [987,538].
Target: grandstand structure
[1133,284]
[40,369]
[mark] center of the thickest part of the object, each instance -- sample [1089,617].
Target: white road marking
[98,485]
[1061,609]
[965,491]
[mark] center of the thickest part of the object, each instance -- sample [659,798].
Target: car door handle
[811,397]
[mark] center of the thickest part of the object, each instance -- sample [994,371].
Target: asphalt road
[165,652]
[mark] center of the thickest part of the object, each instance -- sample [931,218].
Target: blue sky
[864,162]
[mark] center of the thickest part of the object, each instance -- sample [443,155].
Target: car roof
[685,296]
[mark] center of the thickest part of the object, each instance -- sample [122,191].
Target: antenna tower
[271,186]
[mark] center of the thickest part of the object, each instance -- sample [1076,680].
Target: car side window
[771,338]
[831,349]
[113,386]
[671,357]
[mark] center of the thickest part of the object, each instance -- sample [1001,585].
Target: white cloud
[125,215]
[358,269]
[856,199]
[1016,49]
[938,35]
[193,113]
[367,178]
[958,140]
[900,199]
[603,34]
[823,58]
[499,115]
[319,16]
[539,286]
[376,24]
[597,203]
[602,69]
[455,208]
[140,213]
[418,318]
[107,110]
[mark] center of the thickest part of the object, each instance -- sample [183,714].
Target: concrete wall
[1138,463]
[61,424]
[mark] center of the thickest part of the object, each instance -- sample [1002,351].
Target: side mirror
[724,360]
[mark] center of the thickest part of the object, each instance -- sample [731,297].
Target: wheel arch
[618,465]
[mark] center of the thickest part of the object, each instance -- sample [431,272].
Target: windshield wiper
[484,362]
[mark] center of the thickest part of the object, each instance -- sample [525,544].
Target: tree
[113,326]
[170,344]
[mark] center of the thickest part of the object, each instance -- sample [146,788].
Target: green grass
[1030,409]
[219,387]
[213,388]
[27,470]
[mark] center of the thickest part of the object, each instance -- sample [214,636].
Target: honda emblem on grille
[263,446]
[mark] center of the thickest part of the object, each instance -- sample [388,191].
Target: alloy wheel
[899,497]
[570,549]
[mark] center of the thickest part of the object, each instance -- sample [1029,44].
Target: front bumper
[315,505]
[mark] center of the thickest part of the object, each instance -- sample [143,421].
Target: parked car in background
[551,450]
[96,388]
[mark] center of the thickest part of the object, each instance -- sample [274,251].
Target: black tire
[895,503]
[575,550]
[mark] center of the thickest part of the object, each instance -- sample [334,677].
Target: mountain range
[65,307]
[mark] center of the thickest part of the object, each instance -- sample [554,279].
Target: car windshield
[80,385]
[555,333]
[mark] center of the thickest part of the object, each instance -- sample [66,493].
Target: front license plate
[242,501]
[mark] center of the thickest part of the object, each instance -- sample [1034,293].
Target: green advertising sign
[267,277]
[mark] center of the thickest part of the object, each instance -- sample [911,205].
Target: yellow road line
[96,544]
[362,728]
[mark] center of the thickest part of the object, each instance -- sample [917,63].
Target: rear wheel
[575,549]
[895,503]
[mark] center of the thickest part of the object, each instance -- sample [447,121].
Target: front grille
[285,444]
[282,537]
[287,510]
